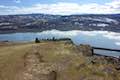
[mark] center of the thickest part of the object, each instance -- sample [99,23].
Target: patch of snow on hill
[109,20]
[102,25]
[100,19]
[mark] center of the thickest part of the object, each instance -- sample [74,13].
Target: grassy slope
[11,60]
[75,66]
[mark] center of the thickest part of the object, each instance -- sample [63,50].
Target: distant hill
[40,22]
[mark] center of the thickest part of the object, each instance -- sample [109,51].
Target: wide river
[103,39]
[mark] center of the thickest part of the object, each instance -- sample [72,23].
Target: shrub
[37,40]
[53,38]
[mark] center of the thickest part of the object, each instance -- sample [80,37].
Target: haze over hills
[41,22]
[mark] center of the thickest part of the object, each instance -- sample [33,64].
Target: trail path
[35,69]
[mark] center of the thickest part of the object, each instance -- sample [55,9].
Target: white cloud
[65,8]
[2,6]
[115,4]
[17,1]
[117,43]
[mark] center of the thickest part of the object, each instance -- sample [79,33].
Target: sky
[59,7]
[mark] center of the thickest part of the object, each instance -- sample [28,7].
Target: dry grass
[73,64]
[11,60]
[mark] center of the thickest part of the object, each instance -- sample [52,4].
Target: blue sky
[32,2]
[62,7]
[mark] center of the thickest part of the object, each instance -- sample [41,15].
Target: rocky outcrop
[86,50]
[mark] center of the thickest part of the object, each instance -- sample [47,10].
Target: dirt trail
[36,68]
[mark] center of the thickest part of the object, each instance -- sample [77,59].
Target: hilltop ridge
[54,60]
